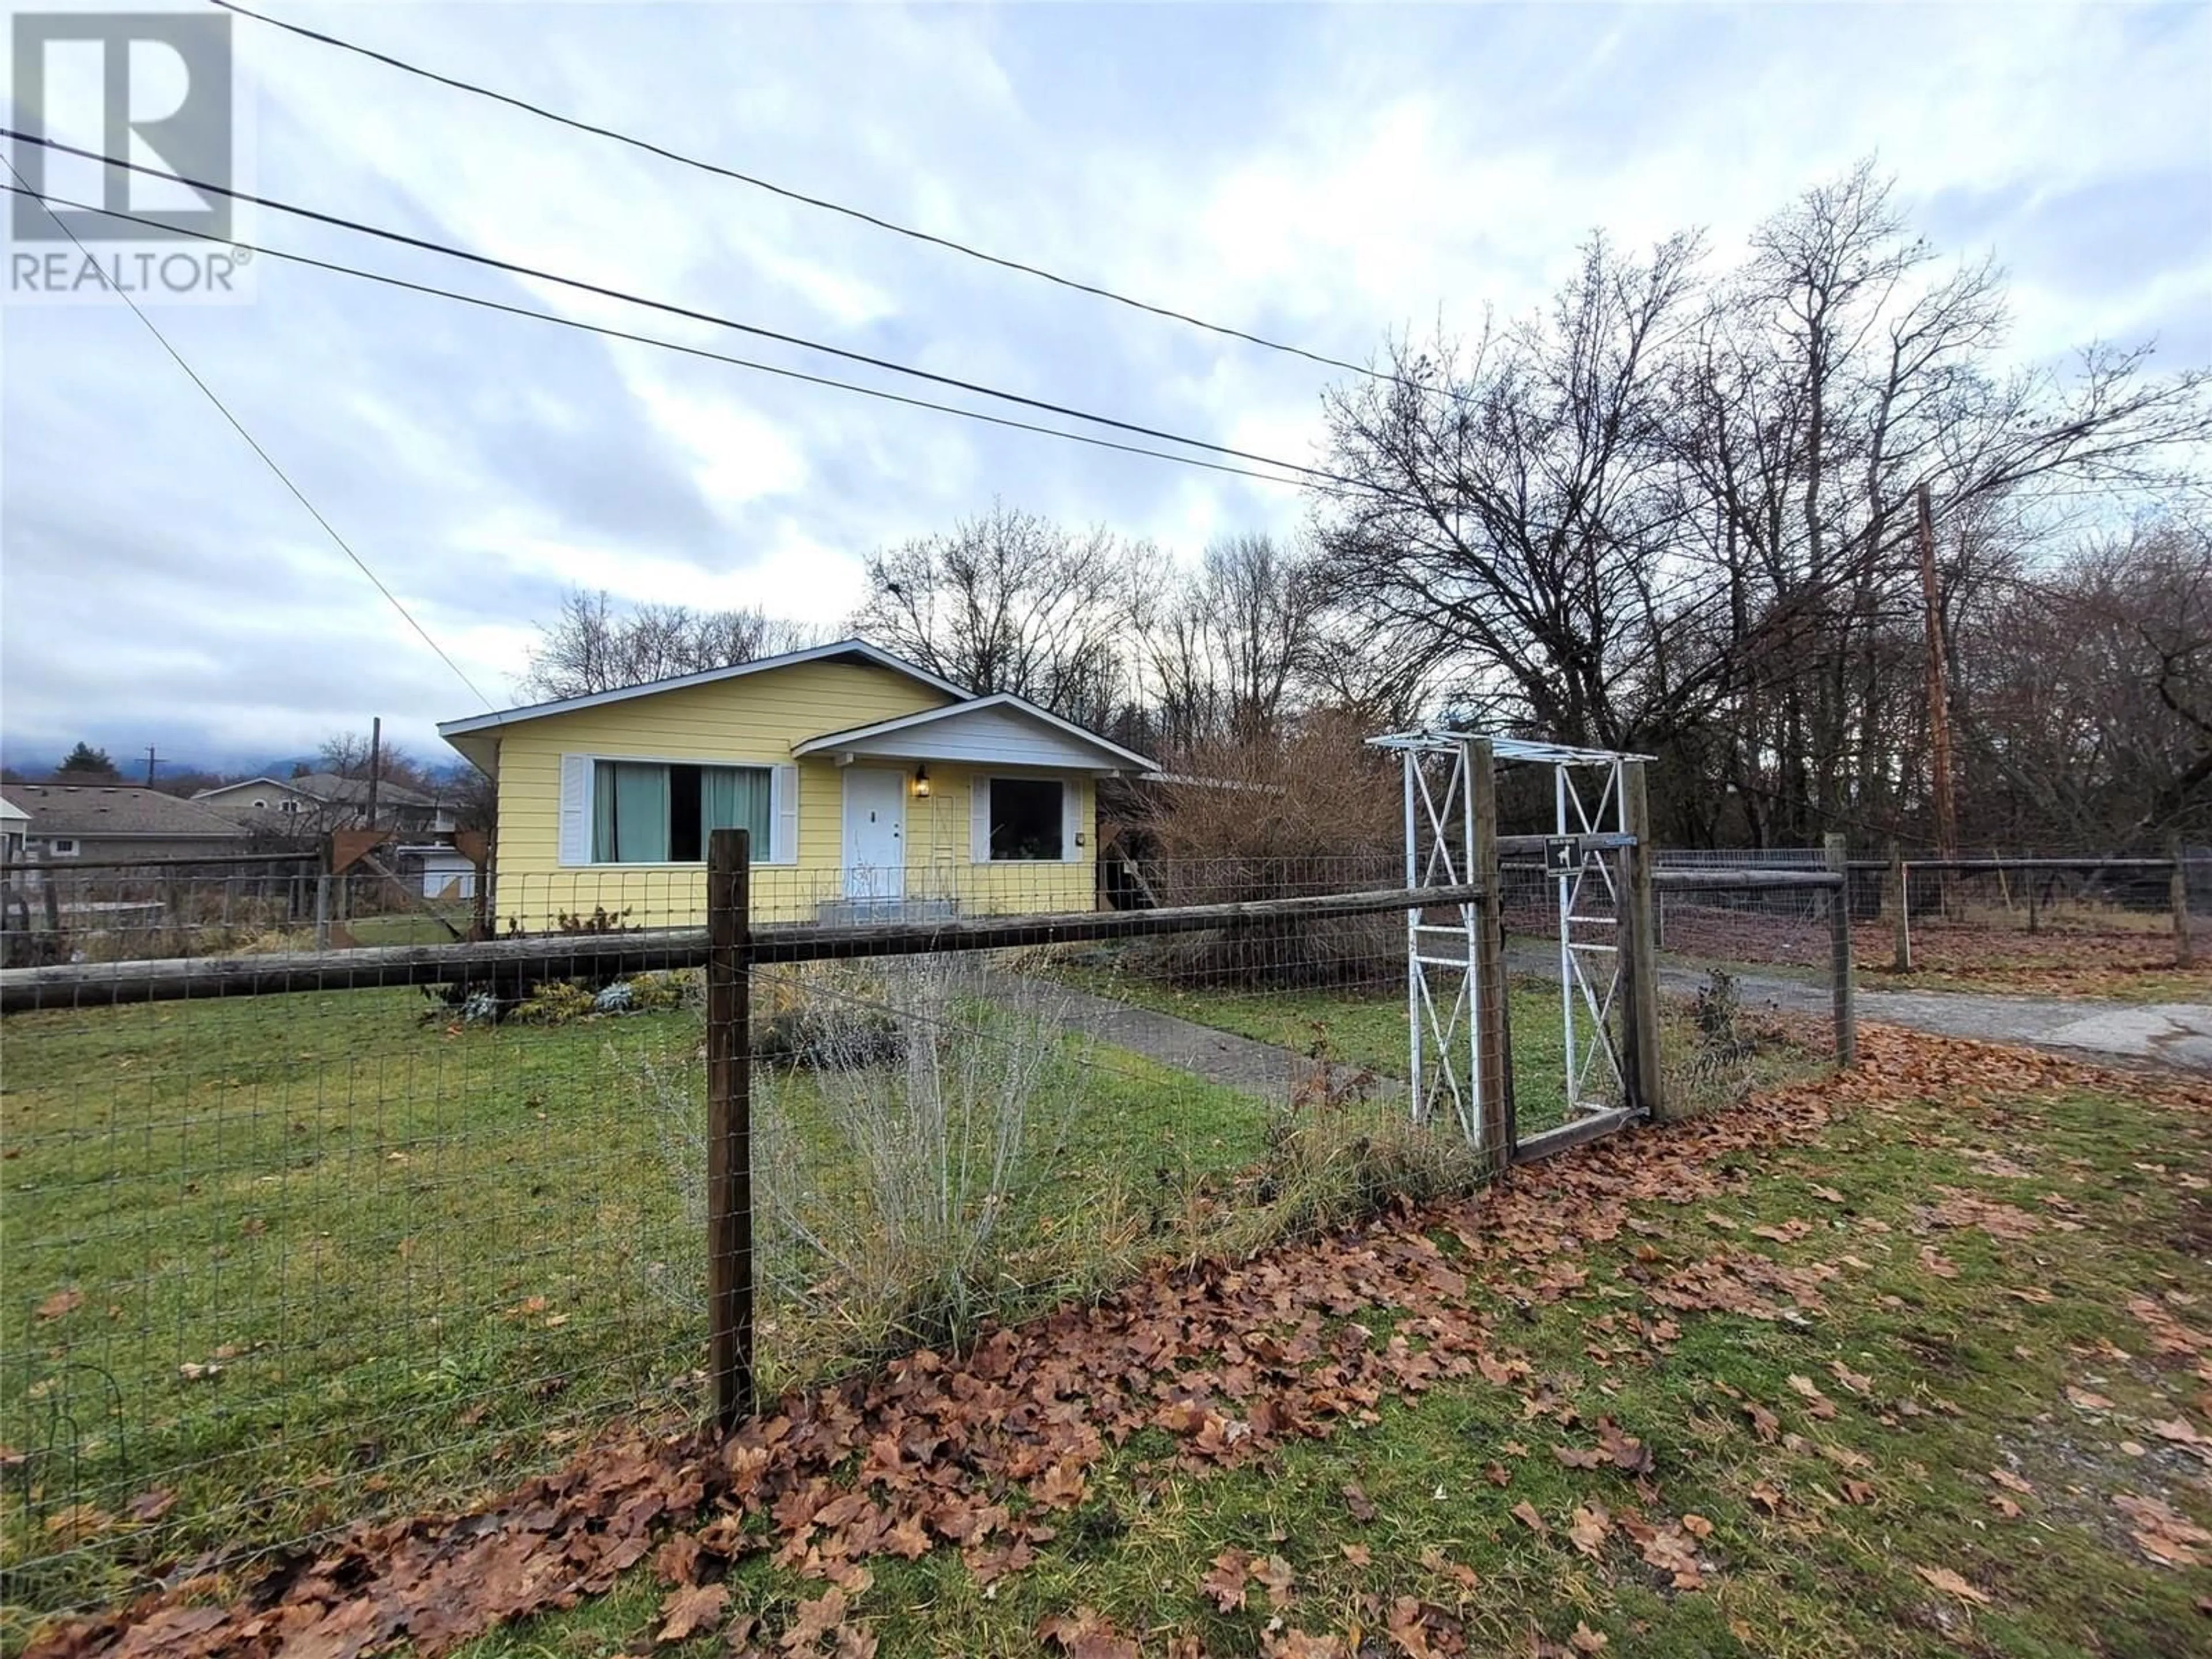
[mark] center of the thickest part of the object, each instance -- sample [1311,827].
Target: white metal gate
[1442,960]
[1444,1044]
[1589,900]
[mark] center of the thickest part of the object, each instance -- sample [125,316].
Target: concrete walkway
[2174,1034]
[1218,1056]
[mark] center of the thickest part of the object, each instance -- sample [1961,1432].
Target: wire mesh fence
[2032,914]
[275,1262]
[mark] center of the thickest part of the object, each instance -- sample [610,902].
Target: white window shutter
[1071,820]
[783,815]
[576,809]
[979,819]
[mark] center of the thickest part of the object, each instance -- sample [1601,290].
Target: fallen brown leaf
[1226,1583]
[1951,1584]
[690,1608]
[1085,1634]
[61,1301]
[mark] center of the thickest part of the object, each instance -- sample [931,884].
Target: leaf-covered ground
[1914,1361]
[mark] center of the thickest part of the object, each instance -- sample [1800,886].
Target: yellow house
[872,788]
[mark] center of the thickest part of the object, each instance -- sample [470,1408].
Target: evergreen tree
[85,760]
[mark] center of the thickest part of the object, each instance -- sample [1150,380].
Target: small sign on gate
[1563,854]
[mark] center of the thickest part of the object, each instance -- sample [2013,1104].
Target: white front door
[875,833]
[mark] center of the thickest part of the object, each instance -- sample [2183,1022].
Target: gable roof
[325,787]
[977,712]
[329,786]
[836,651]
[265,780]
[100,811]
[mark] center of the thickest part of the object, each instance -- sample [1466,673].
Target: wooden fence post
[1493,1027]
[2184,951]
[729,1125]
[1900,924]
[1840,952]
[1639,951]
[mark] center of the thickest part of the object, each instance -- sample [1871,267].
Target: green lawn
[1920,1437]
[406,927]
[273,1261]
[283,1255]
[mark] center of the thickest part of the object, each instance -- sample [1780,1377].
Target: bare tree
[1235,642]
[1519,508]
[349,755]
[1674,511]
[2087,693]
[1008,601]
[590,645]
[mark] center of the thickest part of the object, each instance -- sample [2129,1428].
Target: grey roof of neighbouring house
[326,786]
[94,810]
[329,785]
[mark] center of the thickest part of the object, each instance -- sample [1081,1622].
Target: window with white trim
[1029,818]
[62,846]
[661,813]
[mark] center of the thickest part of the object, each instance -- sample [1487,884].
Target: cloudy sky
[1318,174]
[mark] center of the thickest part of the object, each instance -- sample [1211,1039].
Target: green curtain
[603,812]
[734,798]
[630,813]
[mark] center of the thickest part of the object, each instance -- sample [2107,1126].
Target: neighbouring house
[67,822]
[15,824]
[870,786]
[316,803]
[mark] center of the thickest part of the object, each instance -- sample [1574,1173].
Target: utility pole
[150,759]
[375,760]
[1939,694]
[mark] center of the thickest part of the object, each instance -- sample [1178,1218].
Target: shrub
[1333,1158]
[891,1177]
[666,990]
[554,1002]
[1714,1053]
[836,1015]
[1315,811]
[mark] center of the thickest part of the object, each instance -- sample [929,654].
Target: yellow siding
[754,719]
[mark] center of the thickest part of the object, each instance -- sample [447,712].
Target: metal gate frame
[1439,796]
[1586,962]
[1443,845]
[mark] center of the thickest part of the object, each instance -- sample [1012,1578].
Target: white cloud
[1318,174]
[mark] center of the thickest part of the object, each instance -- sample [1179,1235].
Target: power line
[261,249]
[237,426]
[449,251]
[950,244]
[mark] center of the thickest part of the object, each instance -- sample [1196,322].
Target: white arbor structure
[1458,1042]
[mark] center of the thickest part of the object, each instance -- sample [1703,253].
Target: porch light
[921,783]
